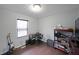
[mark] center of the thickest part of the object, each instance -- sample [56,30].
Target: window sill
[22,36]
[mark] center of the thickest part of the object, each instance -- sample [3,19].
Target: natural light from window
[21,28]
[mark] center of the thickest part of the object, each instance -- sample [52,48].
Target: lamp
[36,7]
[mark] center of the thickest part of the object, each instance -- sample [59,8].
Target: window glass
[21,28]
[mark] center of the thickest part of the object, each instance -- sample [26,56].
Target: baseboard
[19,47]
[6,53]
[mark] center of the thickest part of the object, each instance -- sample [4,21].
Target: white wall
[8,24]
[67,19]
[78,13]
[3,43]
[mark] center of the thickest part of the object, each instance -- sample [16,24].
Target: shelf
[65,30]
[62,39]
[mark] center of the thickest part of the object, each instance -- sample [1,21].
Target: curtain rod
[22,19]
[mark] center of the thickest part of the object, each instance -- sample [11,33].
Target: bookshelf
[62,39]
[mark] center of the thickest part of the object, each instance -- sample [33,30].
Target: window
[21,28]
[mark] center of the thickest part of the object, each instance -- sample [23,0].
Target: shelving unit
[62,39]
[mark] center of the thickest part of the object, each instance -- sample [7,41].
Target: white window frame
[22,28]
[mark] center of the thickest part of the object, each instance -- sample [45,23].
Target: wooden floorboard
[38,49]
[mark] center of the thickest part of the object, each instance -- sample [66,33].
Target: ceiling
[47,9]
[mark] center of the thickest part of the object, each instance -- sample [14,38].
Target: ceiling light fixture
[36,7]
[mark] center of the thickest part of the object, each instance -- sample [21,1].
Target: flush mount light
[36,7]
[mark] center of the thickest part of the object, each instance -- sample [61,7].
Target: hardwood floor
[41,49]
